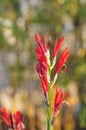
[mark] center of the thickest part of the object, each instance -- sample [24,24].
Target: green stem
[49,107]
[48,112]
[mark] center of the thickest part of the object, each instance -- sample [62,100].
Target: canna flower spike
[6,117]
[59,100]
[45,65]
[13,122]
[18,121]
[43,57]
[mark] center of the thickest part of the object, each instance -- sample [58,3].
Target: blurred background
[19,83]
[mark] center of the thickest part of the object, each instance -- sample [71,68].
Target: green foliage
[80,71]
[19,33]
[14,5]
[2,42]
[81,11]
[82,116]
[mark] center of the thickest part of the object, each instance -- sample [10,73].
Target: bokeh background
[19,83]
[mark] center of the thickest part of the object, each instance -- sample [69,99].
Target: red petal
[57,46]
[44,84]
[37,37]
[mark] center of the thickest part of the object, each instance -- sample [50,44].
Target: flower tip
[44,39]
[3,109]
[37,37]
[62,38]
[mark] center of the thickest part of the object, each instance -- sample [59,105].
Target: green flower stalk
[44,68]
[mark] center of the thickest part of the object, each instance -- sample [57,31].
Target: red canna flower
[59,99]
[13,122]
[57,47]
[62,60]
[44,68]
[43,57]
[6,117]
[39,42]
[42,71]
[56,50]
[18,121]
[60,64]
[44,64]
[42,49]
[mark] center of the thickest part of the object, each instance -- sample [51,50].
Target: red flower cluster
[45,65]
[59,99]
[13,122]
[43,57]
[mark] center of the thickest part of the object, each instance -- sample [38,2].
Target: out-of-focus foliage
[19,21]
